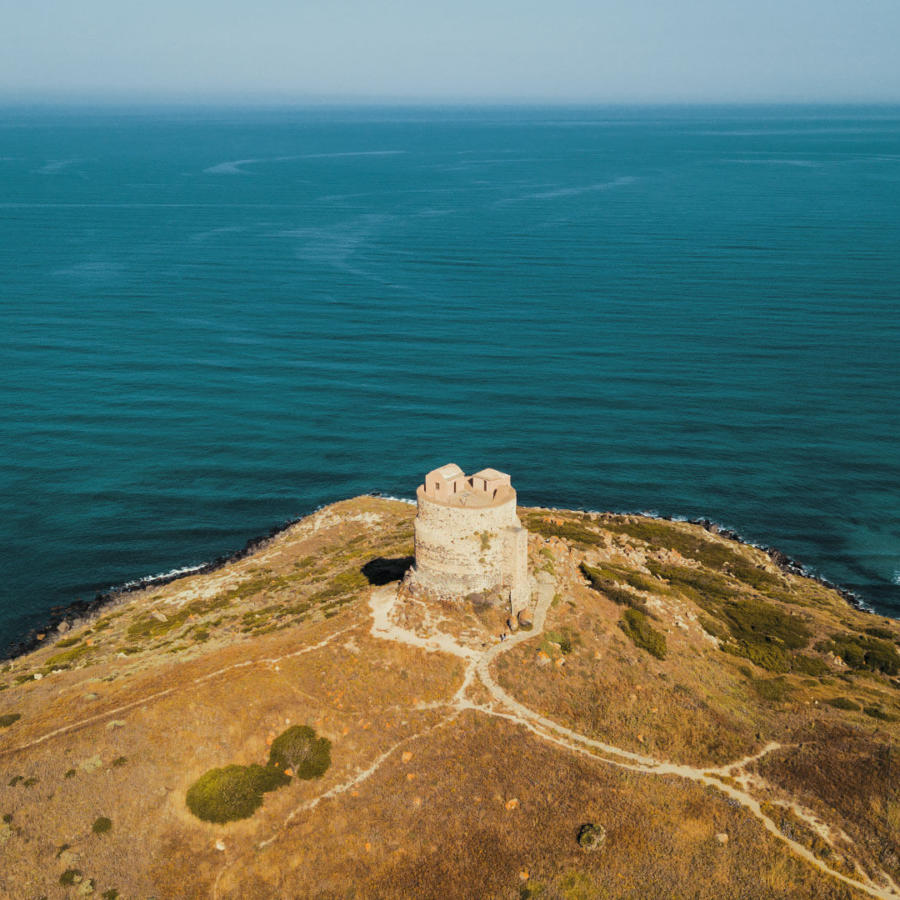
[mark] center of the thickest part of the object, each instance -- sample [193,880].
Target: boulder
[591,837]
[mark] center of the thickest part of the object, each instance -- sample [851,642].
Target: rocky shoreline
[784,562]
[79,612]
[61,618]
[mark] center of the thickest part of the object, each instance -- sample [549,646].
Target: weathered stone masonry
[469,538]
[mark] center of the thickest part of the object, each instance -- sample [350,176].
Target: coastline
[61,619]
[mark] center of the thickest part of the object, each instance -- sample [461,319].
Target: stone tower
[469,538]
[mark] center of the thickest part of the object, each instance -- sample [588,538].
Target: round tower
[469,538]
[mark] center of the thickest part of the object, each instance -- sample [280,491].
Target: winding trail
[383,602]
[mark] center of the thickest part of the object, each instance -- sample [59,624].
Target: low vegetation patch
[69,641]
[774,690]
[661,535]
[600,581]
[7,719]
[636,625]
[810,665]
[149,627]
[750,627]
[68,657]
[301,750]
[562,640]
[101,825]
[842,703]
[569,530]
[876,712]
[351,581]
[233,792]
[863,652]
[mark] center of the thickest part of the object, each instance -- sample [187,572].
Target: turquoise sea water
[214,320]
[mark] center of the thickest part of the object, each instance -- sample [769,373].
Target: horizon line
[39,99]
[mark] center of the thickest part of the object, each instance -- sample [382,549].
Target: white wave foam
[235,166]
[230,167]
[54,166]
[896,578]
[160,576]
[570,191]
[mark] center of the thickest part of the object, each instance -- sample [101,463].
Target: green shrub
[111,894]
[879,632]
[69,641]
[767,656]
[600,582]
[753,621]
[713,627]
[635,624]
[67,657]
[299,749]
[876,712]
[842,703]
[7,719]
[810,665]
[233,792]
[30,782]
[70,877]
[101,825]
[864,652]
[772,689]
[7,818]
[713,554]
[350,581]
[707,589]
[562,639]
[568,530]
[119,761]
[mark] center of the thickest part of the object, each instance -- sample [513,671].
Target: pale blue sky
[491,50]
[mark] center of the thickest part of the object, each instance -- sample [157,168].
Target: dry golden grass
[421,799]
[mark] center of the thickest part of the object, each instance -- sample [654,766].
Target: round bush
[299,749]
[102,825]
[233,792]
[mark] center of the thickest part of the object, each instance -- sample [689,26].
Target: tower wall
[462,550]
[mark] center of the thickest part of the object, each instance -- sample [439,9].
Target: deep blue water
[216,320]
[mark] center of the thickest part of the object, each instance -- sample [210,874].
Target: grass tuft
[636,625]
[101,825]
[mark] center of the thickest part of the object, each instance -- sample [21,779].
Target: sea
[216,319]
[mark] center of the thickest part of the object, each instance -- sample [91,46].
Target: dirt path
[149,698]
[383,601]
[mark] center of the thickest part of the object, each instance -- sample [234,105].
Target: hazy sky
[566,50]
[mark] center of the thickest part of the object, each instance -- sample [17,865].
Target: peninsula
[594,705]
